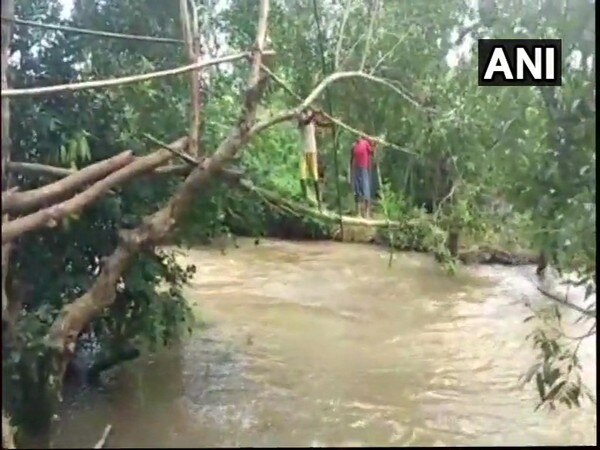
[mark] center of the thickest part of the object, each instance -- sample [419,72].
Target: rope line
[107,34]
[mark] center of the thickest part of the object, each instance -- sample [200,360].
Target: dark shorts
[361,183]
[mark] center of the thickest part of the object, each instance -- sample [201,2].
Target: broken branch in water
[102,441]
[566,303]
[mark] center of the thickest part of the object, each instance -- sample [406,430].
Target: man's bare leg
[303,189]
[318,194]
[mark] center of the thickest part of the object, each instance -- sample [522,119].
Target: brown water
[314,344]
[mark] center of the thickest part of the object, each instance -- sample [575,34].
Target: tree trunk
[8,9]
[453,236]
[542,264]
[8,440]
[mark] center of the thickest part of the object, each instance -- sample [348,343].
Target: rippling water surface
[319,343]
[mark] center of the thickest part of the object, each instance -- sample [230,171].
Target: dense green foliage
[465,149]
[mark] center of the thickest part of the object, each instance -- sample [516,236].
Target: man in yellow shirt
[309,167]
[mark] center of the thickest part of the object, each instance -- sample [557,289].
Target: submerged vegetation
[459,166]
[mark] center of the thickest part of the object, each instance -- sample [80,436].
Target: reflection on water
[319,343]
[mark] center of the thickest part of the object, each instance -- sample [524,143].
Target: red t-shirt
[362,151]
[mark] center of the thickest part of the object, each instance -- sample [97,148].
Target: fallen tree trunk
[51,215]
[19,202]
[491,255]
[44,170]
[155,228]
[328,216]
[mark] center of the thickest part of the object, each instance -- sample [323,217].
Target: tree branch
[355,74]
[335,120]
[53,171]
[350,50]
[388,53]
[338,48]
[158,226]
[49,216]
[566,303]
[187,158]
[39,169]
[28,92]
[19,202]
[369,35]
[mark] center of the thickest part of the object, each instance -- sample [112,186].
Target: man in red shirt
[360,175]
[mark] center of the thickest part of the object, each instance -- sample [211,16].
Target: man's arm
[350,165]
[321,120]
[305,118]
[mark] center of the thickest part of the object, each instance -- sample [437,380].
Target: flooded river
[320,344]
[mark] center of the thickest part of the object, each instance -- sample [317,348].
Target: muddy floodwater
[320,344]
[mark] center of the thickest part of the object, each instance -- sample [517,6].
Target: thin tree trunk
[8,9]
[191,39]
[8,440]
[453,236]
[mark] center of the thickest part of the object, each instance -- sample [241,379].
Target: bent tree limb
[18,202]
[49,216]
[333,119]
[565,302]
[157,227]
